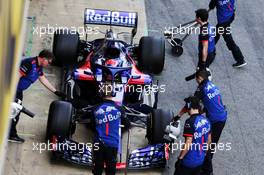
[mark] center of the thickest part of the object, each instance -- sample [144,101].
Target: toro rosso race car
[90,65]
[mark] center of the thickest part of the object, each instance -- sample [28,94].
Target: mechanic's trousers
[230,43]
[105,155]
[13,130]
[183,170]
[217,129]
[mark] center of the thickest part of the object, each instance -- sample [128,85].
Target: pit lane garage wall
[12,13]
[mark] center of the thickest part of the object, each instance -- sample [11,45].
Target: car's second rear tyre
[151,54]
[59,120]
[65,48]
[156,126]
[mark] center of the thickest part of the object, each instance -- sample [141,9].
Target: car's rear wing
[112,18]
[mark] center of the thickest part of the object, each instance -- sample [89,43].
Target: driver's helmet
[112,50]
[112,62]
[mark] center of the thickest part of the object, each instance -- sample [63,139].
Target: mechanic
[107,121]
[196,132]
[225,16]
[215,112]
[30,70]
[206,38]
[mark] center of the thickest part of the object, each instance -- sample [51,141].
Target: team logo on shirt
[224,2]
[201,124]
[108,118]
[212,95]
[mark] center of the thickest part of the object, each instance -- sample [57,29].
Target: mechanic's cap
[192,102]
[47,54]
[203,74]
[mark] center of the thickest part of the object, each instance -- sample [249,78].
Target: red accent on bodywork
[111,62]
[87,62]
[120,165]
[136,72]
[80,75]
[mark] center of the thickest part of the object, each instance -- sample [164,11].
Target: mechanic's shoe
[16,139]
[238,65]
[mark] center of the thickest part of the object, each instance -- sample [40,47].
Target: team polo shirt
[198,127]
[29,71]
[107,119]
[212,101]
[207,34]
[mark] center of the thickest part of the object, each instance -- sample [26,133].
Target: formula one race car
[90,65]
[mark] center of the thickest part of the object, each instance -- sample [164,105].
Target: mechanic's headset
[192,102]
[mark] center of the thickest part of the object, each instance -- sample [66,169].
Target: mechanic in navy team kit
[197,140]
[107,121]
[225,16]
[30,70]
[215,112]
[206,46]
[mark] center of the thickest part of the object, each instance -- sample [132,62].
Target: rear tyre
[157,123]
[151,56]
[65,48]
[60,120]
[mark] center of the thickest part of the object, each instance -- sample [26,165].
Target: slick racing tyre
[60,120]
[151,54]
[156,125]
[65,47]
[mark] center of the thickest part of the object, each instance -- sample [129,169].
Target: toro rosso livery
[124,69]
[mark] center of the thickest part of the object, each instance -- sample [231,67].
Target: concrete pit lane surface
[43,18]
[242,89]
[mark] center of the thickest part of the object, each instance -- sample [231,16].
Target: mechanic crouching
[197,140]
[215,112]
[30,70]
[107,122]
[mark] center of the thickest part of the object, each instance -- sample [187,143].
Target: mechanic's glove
[60,94]
[202,65]
[178,164]
[176,118]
